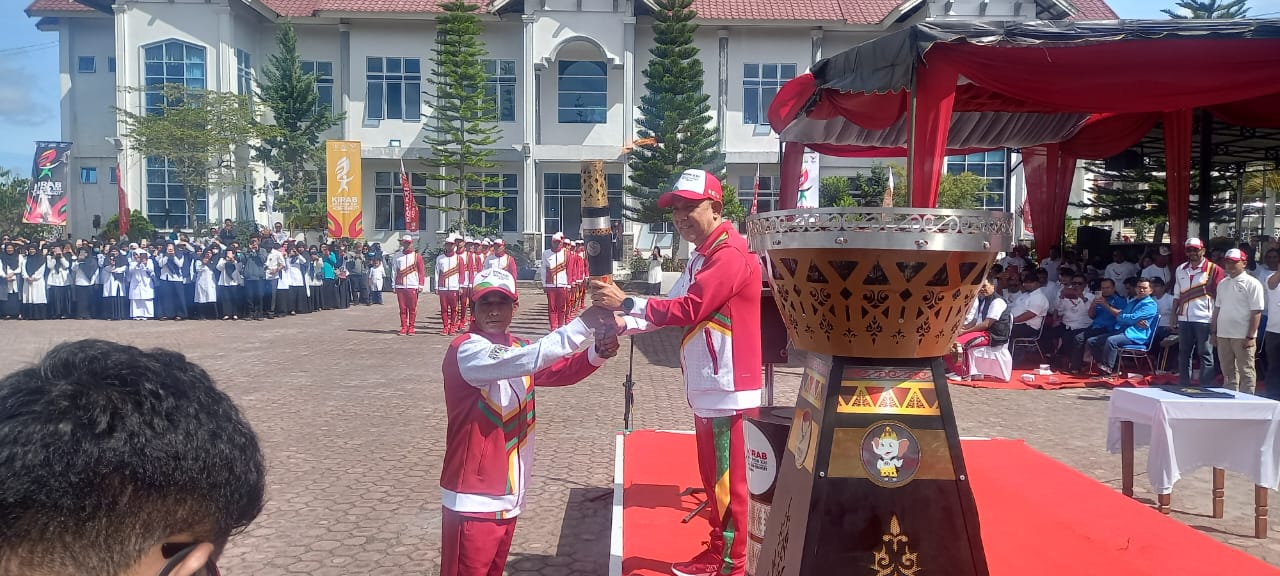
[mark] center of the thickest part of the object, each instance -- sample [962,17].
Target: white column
[815,46]
[132,172]
[344,76]
[530,186]
[629,100]
[722,82]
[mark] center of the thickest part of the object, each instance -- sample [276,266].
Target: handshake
[602,317]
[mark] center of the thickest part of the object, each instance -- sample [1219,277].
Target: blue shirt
[1137,310]
[1102,318]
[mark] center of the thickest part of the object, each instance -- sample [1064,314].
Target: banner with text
[47,197]
[345,190]
[809,180]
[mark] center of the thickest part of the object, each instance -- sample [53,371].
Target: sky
[29,66]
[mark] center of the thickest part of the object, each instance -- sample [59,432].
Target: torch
[597,234]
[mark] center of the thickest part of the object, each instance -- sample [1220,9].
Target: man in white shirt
[409,278]
[1120,270]
[1159,269]
[1194,290]
[1017,259]
[1053,264]
[1271,337]
[1029,309]
[1237,313]
[1072,307]
[1050,288]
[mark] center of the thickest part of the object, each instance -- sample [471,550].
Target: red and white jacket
[488,393]
[502,262]
[717,301]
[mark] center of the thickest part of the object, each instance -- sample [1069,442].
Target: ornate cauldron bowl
[877,282]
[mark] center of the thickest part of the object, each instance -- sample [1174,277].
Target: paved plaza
[352,420]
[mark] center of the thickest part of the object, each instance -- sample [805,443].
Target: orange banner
[345,190]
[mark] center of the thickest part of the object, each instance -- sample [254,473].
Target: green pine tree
[1139,196]
[464,126]
[1209,9]
[675,114]
[292,147]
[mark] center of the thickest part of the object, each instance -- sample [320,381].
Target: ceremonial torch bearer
[597,235]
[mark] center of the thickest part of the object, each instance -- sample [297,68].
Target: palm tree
[1209,10]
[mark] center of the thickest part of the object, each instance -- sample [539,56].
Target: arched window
[171,62]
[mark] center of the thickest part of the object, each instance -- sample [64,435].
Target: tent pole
[911,145]
[1206,173]
[1240,233]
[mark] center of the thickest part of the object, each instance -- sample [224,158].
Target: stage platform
[1038,517]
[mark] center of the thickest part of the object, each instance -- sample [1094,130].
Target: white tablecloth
[1237,434]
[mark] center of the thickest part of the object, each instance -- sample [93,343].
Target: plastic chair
[990,362]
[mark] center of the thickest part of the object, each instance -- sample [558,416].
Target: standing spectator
[175,267]
[59,279]
[11,281]
[377,276]
[256,289]
[206,281]
[357,275]
[142,286]
[34,297]
[655,272]
[110,468]
[329,285]
[1271,339]
[1120,270]
[230,283]
[115,289]
[1159,269]
[227,234]
[85,276]
[279,234]
[1053,264]
[1237,313]
[1194,291]
[1135,326]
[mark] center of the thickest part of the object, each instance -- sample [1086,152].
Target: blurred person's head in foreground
[116,461]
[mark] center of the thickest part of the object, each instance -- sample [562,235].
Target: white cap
[499,242]
[1236,254]
[471,240]
[406,237]
[486,242]
[1194,243]
[558,236]
[493,279]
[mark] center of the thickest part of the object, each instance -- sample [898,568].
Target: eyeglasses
[175,552]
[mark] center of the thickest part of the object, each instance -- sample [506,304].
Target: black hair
[106,450]
[1156,281]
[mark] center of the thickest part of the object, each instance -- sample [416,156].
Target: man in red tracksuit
[717,301]
[489,378]
[410,278]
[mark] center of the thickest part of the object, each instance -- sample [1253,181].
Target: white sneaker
[952,376]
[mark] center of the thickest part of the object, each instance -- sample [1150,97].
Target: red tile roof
[1094,10]
[851,11]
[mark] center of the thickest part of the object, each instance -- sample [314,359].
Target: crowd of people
[178,278]
[1210,311]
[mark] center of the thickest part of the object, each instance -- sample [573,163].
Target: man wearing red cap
[717,301]
[1195,287]
[410,274]
[489,380]
[448,268]
[555,281]
[501,260]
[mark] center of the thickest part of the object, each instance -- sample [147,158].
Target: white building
[567,73]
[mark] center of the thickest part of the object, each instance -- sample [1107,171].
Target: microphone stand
[628,396]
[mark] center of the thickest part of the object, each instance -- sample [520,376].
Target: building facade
[566,76]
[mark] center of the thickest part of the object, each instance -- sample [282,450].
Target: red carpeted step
[1038,517]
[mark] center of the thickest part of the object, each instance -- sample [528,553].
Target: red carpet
[1039,517]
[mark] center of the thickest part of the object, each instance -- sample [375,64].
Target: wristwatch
[628,303]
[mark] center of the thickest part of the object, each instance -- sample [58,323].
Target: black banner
[47,197]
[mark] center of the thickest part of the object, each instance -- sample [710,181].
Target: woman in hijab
[206,286]
[114,286]
[86,275]
[34,298]
[142,286]
[315,280]
[10,278]
[58,278]
[297,271]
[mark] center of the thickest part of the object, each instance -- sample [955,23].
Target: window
[394,90]
[88,175]
[760,83]
[323,71]
[500,85]
[86,65]
[562,203]
[111,64]
[584,92]
[320,187]
[767,200]
[506,220]
[166,198]
[991,165]
[114,176]
[244,74]
[171,62]
[389,203]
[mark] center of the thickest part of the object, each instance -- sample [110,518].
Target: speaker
[97,221]
[1127,160]
[1096,240]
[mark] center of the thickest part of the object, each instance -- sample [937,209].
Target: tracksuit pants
[557,307]
[449,313]
[408,299]
[722,464]
[474,546]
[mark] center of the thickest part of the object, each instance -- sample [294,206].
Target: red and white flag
[410,205]
[755,193]
[124,202]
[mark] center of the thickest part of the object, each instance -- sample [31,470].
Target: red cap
[1236,254]
[693,185]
